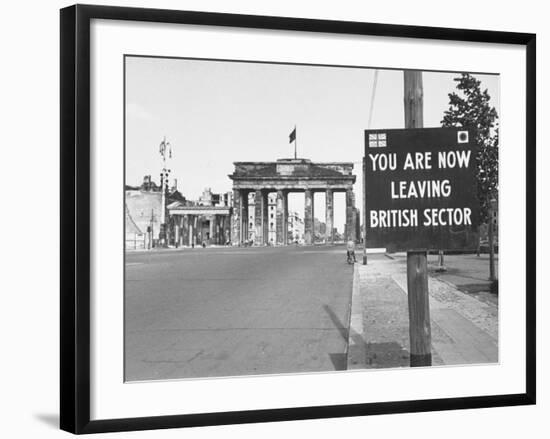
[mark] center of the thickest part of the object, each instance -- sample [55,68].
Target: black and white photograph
[288,218]
[275,219]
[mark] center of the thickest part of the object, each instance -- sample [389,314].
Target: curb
[356,343]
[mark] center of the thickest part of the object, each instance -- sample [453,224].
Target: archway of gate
[262,214]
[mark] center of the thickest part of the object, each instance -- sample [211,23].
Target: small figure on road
[351,251]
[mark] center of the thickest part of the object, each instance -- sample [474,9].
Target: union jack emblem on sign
[377,140]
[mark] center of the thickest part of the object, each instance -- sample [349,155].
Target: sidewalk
[464,325]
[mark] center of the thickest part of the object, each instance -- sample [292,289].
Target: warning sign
[420,189]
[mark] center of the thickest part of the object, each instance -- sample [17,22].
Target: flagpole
[295,143]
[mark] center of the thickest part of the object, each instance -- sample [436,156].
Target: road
[236,311]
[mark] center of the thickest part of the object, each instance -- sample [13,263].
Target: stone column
[191,228]
[350,202]
[227,228]
[197,229]
[308,217]
[280,212]
[285,217]
[199,224]
[258,232]
[221,228]
[265,217]
[212,231]
[329,216]
[244,216]
[184,230]
[236,218]
[177,231]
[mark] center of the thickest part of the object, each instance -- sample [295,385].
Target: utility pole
[417,260]
[413,99]
[414,110]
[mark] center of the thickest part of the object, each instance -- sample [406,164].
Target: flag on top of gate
[292,136]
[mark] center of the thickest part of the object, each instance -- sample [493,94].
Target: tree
[470,107]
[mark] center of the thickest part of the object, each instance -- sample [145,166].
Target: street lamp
[165,150]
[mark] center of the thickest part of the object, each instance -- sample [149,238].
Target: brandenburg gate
[285,176]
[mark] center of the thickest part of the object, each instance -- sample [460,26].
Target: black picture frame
[75,217]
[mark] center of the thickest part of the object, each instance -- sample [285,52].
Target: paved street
[236,311]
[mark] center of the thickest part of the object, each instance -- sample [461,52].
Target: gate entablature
[293,174]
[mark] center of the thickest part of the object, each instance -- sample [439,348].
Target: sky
[215,113]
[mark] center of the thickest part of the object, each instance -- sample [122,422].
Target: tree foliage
[470,107]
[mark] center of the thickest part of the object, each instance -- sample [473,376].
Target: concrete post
[308,217]
[329,217]
[258,238]
[236,225]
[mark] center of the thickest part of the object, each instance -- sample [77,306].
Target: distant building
[319,230]
[143,212]
[296,228]
[136,238]
[205,221]
[143,206]
[271,217]
[208,198]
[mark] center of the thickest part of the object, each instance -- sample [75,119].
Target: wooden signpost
[420,332]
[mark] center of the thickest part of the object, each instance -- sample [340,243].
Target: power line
[373,95]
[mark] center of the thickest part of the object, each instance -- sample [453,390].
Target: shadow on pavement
[386,354]
[339,361]
[343,330]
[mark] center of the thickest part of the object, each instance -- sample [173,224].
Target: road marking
[134,263]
